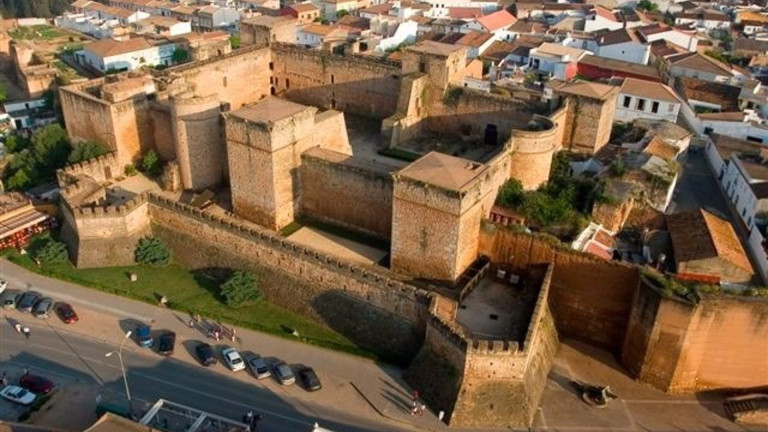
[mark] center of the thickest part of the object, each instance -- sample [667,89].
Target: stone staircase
[750,408]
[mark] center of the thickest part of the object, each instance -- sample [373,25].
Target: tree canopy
[240,289]
[34,161]
[33,8]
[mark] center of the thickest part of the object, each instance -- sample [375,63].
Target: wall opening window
[287,83]
[627,101]
[655,107]
[271,65]
[422,67]
[641,104]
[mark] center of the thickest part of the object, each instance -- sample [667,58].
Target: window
[333,79]
[641,104]
[422,67]
[271,65]
[627,101]
[287,83]
[708,130]
[655,107]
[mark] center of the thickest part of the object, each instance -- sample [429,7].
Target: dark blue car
[144,336]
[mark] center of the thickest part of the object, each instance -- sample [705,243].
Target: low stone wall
[100,169]
[366,304]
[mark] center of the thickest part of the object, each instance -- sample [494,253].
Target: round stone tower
[197,131]
[531,152]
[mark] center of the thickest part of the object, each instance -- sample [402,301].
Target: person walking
[26,332]
[17,326]
[4,379]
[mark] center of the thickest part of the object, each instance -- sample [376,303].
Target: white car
[3,285]
[17,394]
[233,359]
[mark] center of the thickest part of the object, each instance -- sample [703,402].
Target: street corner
[72,406]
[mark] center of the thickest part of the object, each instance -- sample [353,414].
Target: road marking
[219,398]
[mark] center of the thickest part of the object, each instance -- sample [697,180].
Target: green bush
[87,150]
[34,161]
[180,56]
[240,289]
[52,252]
[130,170]
[151,163]
[234,41]
[152,252]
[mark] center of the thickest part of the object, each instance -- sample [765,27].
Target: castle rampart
[341,190]
[531,152]
[198,134]
[99,169]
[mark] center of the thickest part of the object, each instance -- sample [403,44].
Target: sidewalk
[351,384]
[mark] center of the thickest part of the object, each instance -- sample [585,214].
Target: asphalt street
[65,357]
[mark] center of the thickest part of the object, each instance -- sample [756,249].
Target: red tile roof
[497,20]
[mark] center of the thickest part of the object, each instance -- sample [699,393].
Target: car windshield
[21,393]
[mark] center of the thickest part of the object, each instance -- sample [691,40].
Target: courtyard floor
[495,310]
[337,245]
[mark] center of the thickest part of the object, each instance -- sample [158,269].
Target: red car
[66,313]
[36,384]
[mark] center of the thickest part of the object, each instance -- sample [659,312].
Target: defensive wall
[199,135]
[369,305]
[663,340]
[495,382]
[124,126]
[100,169]
[348,192]
[352,83]
[103,235]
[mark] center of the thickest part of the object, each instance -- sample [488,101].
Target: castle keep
[274,130]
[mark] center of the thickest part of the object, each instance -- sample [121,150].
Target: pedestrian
[25,371]
[414,407]
[191,323]
[17,326]
[4,379]
[216,335]
[198,319]
[26,331]
[422,408]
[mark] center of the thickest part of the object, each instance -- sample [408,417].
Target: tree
[19,181]
[647,5]
[153,252]
[87,150]
[180,55]
[342,13]
[52,252]
[234,41]
[3,93]
[151,163]
[51,148]
[240,289]
[511,194]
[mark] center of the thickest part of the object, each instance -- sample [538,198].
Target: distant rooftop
[436,48]
[588,89]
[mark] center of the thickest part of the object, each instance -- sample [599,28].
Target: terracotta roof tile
[715,93]
[652,90]
[497,20]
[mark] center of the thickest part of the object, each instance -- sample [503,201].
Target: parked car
[27,301]
[43,307]
[36,383]
[166,342]
[205,354]
[233,359]
[309,379]
[17,394]
[3,285]
[9,298]
[144,336]
[66,313]
[283,373]
[258,366]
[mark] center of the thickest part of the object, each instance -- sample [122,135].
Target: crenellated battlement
[101,169]
[109,211]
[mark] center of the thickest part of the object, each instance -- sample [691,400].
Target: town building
[643,99]
[109,55]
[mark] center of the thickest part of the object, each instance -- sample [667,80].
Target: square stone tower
[262,158]
[438,204]
[589,118]
[264,146]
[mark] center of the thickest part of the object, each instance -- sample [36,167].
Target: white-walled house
[646,99]
[704,20]
[603,19]
[314,35]
[623,44]
[657,31]
[109,54]
[745,126]
[558,61]
[495,23]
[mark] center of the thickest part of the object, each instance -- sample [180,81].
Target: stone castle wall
[342,191]
[238,78]
[465,112]
[123,126]
[104,236]
[366,304]
[353,83]
[586,127]
[162,129]
[591,299]
[100,169]
[680,346]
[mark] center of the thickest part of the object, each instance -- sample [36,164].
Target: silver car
[258,366]
[284,374]
[43,307]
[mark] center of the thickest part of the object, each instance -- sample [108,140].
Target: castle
[269,122]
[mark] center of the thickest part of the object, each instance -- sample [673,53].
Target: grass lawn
[37,32]
[194,293]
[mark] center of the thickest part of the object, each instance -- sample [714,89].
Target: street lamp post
[122,365]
